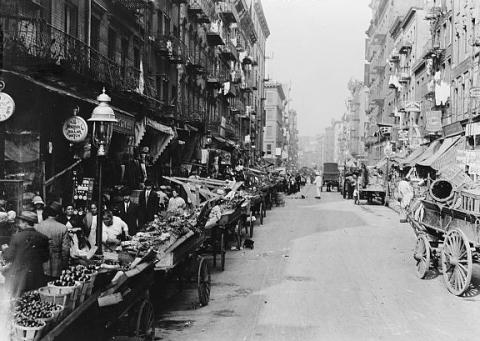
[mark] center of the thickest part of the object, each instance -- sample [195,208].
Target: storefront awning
[438,160]
[160,139]
[431,149]
[415,154]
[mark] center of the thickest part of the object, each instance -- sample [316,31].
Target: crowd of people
[50,236]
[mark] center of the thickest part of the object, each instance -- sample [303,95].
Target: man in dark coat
[128,212]
[148,204]
[27,251]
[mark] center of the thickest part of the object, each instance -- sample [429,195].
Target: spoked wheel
[422,255]
[456,262]
[204,282]
[144,328]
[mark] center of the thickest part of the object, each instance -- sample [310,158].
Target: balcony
[227,12]
[197,60]
[168,45]
[229,51]
[215,34]
[134,6]
[248,27]
[36,45]
[189,113]
[217,75]
[204,10]
[405,46]
[404,75]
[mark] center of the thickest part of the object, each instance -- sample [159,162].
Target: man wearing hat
[148,204]
[27,251]
[59,243]
[162,198]
[38,205]
[128,212]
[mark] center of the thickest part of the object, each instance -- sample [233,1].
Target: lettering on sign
[7,106]
[475,92]
[75,129]
[434,121]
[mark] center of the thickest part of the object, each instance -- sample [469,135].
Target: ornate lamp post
[103,119]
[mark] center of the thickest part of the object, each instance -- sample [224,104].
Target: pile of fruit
[79,273]
[29,311]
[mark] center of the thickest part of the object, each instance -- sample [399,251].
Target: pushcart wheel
[262,212]
[422,255]
[203,282]
[144,328]
[222,250]
[456,262]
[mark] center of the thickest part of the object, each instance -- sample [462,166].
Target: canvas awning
[444,155]
[160,139]
[431,149]
[416,153]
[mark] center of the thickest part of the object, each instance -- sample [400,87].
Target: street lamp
[103,119]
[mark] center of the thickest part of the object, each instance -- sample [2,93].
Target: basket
[20,333]
[57,313]
[63,296]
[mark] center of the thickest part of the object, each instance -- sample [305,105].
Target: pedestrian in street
[128,212]
[318,182]
[69,219]
[148,204]
[27,251]
[59,244]
[162,198]
[38,205]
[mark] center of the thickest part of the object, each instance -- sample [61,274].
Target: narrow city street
[324,270]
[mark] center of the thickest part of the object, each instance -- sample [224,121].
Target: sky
[317,46]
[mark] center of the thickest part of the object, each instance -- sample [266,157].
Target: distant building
[274,138]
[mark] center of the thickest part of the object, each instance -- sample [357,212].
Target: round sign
[75,129]
[7,106]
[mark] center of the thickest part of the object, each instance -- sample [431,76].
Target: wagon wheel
[422,255]
[263,213]
[456,262]
[203,282]
[144,327]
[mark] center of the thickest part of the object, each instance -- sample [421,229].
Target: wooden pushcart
[448,238]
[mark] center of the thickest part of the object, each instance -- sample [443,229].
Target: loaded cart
[120,306]
[447,225]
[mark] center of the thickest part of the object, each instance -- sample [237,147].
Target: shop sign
[7,106]
[75,129]
[434,121]
[125,124]
[412,107]
[475,92]
[452,129]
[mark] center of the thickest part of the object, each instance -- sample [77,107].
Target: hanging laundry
[442,93]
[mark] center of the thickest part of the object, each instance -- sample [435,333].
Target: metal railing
[228,11]
[34,43]
[206,7]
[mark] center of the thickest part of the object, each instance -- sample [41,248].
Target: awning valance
[431,149]
[443,155]
[161,137]
[416,153]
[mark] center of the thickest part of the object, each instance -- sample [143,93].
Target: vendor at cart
[114,230]
[176,203]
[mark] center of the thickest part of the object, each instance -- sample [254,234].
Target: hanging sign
[7,106]
[434,121]
[475,92]
[75,129]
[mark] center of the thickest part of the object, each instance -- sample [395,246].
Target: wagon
[448,238]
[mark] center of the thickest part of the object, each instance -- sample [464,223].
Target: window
[269,149]
[136,57]
[112,43]
[95,35]
[71,19]
[124,56]
[269,131]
